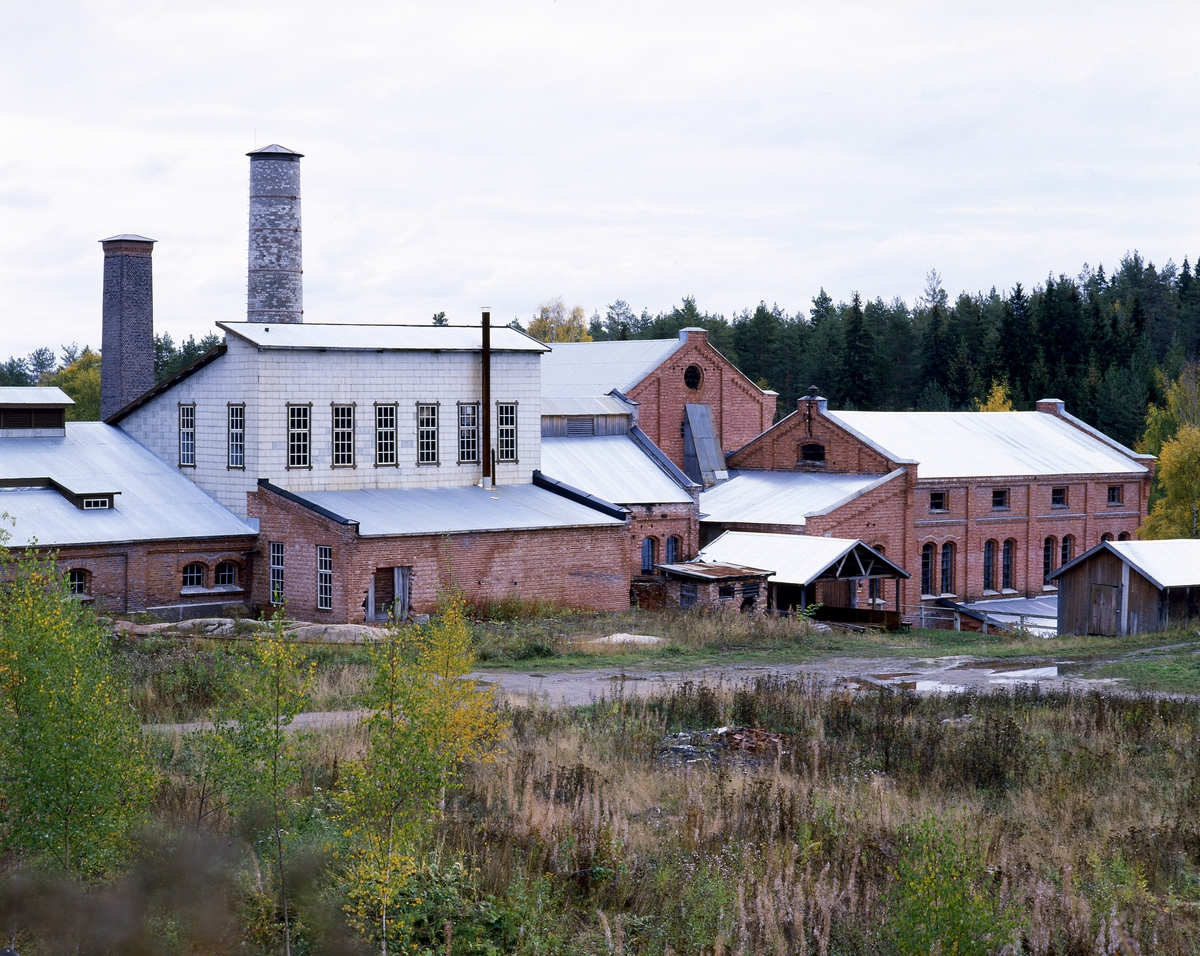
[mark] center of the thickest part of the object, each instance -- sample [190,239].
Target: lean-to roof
[612,467]
[582,369]
[783,497]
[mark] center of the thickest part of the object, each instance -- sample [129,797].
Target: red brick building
[974,505]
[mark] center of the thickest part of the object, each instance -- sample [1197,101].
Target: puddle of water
[929,687]
[1030,675]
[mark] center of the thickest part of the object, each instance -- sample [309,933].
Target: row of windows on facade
[195,575]
[343,427]
[1064,551]
[650,553]
[324,575]
[1059,498]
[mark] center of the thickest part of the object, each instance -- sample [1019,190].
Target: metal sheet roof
[612,467]
[403,511]
[712,572]
[798,559]
[596,368]
[1174,563]
[585,405]
[405,338]
[988,444]
[782,497]
[34,395]
[155,501]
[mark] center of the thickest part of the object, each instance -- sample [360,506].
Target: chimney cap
[127,237]
[273,151]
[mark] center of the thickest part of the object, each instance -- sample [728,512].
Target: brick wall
[740,409]
[660,521]
[778,449]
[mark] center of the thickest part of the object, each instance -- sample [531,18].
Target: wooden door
[1102,612]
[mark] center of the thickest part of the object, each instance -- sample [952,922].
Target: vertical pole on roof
[485,410]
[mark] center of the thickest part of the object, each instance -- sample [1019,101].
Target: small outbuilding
[714,587]
[1130,587]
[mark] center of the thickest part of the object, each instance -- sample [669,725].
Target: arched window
[989,565]
[1047,559]
[672,551]
[1008,572]
[1123,536]
[948,568]
[1067,549]
[648,555]
[812,452]
[193,575]
[692,377]
[77,581]
[927,569]
[1106,536]
[227,574]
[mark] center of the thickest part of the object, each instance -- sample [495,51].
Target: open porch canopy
[803,563]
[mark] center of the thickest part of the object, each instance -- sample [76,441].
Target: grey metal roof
[1173,563]
[988,444]
[712,572]
[596,368]
[800,559]
[155,502]
[274,149]
[34,395]
[408,511]
[127,237]
[783,497]
[585,405]
[405,338]
[612,467]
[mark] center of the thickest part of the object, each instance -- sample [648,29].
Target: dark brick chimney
[127,346]
[274,291]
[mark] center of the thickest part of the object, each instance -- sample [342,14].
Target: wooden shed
[1130,587]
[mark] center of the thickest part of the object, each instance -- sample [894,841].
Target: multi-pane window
[299,436]
[937,501]
[468,433]
[989,566]
[95,504]
[193,575]
[1047,558]
[1000,499]
[324,578]
[1058,497]
[927,569]
[343,436]
[672,551]
[648,556]
[187,435]
[1068,548]
[812,453]
[506,431]
[237,436]
[1115,495]
[1009,565]
[276,572]
[77,581]
[385,434]
[227,574]
[947,568]
[427,434]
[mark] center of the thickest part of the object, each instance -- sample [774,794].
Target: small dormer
[37,411]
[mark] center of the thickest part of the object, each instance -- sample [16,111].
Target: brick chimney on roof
[274,292]
[127,333]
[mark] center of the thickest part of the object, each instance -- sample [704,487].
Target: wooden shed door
[1102,614]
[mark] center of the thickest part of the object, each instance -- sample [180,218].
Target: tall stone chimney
[273,289]
[127,336]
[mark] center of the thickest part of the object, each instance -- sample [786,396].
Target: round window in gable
[692,377]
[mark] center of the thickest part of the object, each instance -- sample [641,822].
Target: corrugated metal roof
[403,511]
[988,444]
[596,368]
[1174,563]
[34,395]
[796,558]
[155,502]
[585,405]
[712,572]
[404,338]
[612,467]
[782,497]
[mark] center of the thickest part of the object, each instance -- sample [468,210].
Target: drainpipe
[485,418]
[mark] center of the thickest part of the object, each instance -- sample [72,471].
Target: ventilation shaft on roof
[488,458]
[274,292]
[127,333]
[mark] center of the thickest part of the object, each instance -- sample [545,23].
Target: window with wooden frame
[385,435]
[276,566]
[1116,495]
[324,578]
[343,436]
[989,565]
[1049,546]
[948,568]
[1058,497]
[299,422]
[78,581]
[427,434]
[187,436]
[226,575]
[937,501]
[927,551]
[506,431]
[193,575]
[236,437]
[468,433]
[1067,550]
[999,499]
[1008,576]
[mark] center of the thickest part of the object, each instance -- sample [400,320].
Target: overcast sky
[460,155]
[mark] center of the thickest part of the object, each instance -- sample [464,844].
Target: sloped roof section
[153,500]
[400,338]
[580,369]
[612,467]
[35,395]
[783,497]
[988,444]
[585,405]
[800,559]
[1174,563]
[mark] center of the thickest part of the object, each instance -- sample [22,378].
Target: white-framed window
[276,572]
[77,581]
[506,431]
[226,574]
[237,437]
[95,504]
[193,575]
[343,436]
[468,432]
[427,434]
[187,436]
[385,435]
[299,436]
[324,578]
